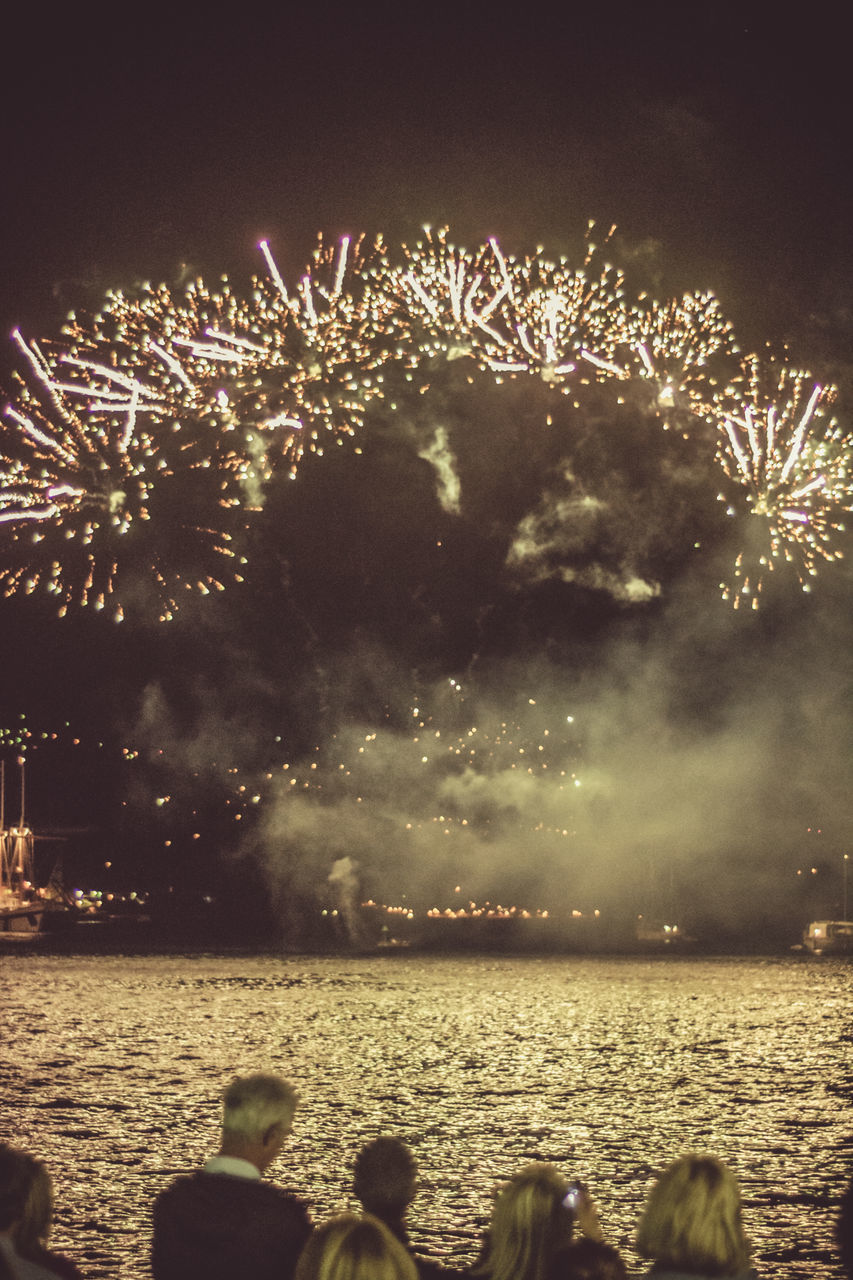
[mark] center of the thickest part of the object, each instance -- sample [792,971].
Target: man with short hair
[224,1221]
[385,1181]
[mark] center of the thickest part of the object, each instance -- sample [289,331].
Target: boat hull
[23,919]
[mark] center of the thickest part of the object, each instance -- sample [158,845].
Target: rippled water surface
[111,1069]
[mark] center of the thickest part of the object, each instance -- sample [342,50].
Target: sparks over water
[139,444]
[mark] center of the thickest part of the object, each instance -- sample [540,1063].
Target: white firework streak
[554,319]
[792,476]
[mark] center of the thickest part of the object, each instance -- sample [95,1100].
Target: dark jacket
[428,1268]
[216,1227]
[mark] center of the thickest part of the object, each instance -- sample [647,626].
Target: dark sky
[719,142]
[722,135]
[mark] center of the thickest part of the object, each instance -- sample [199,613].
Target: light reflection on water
[111,1069]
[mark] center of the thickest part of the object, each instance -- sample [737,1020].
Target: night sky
[577,573]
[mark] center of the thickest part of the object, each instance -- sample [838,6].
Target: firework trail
[791,465]
[443,299]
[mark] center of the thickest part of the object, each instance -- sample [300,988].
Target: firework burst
[143,440]
[89,454]
[443,299]
[790,462]
[561,323]
[682,347]
[313,361]
[513,316]
[174,411]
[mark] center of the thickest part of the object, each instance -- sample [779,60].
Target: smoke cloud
[510,677]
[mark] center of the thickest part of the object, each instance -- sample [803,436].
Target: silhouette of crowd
[226,1222]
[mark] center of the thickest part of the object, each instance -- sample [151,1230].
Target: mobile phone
[572,1198]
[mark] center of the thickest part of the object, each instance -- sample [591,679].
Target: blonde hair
[26,1201]
[350,1247]
[33,1229]
[254,1103]
[529,1223]
[692,1219]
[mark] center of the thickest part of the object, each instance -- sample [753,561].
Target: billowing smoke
[447,480]
[651,783]
[344,881]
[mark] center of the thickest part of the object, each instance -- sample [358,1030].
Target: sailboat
[21,908]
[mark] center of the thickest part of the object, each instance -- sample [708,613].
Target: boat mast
[7,844]
[18,846]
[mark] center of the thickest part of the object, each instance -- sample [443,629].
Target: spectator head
[385,1177]
[844,1231]
[353,1248]
[529,1224]
[692,1219]
[33,1228]
[14,1185]
[257,1117]
[587,1260]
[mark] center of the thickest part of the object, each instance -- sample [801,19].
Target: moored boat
[24,908]
[829,937]
[21,909]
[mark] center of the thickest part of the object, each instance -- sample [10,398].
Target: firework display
[679,346]
[138,445]
[791,463]
[93,456]
[512,316]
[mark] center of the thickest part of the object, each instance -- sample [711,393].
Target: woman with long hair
[533,1217]
[26,1216]
[350,1247]
[33,1230]
[692,1225]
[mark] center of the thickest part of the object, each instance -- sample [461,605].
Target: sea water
[112,1069]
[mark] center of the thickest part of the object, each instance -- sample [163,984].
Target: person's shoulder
[251,1190]
[662,1273]
[429,1269]
[182,1180]
[26,1269]
[177,1189]
[268,1201]
[59,1265]
[294,1203]
[223,1188]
